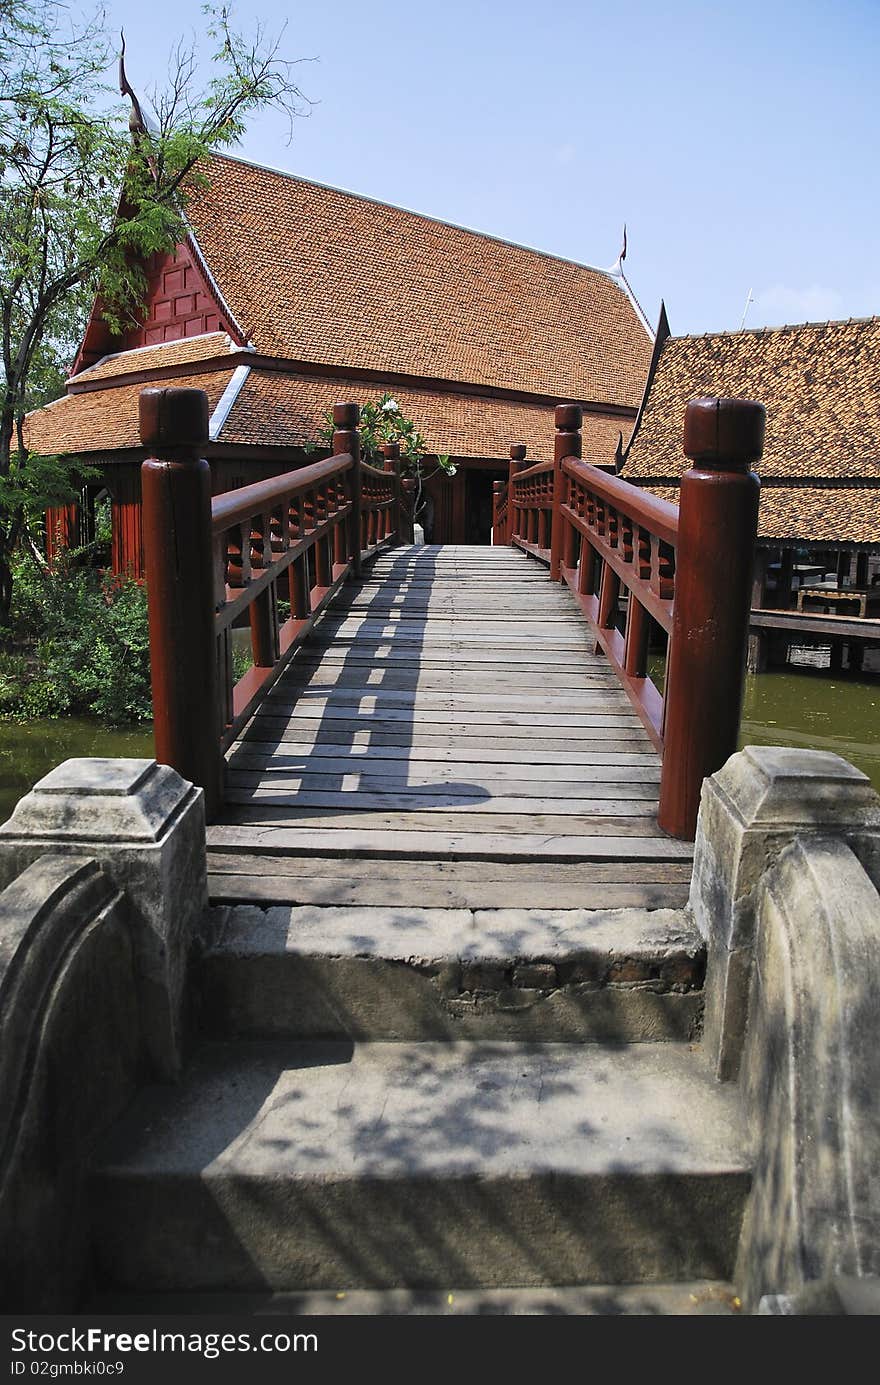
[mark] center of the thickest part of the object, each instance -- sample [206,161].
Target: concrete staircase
[396,1110]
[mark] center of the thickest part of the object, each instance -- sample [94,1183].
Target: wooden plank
[589,700]
[373,768]
[478,872]
[449,804]
[451,788]
[359,734]
[465,723]
[477,754]
[499,846]
[262,813]
[462,894]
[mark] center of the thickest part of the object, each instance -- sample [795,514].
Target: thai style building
[819,516]
[286,296]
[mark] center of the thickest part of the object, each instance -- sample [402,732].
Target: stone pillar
[145,826]
[756,805]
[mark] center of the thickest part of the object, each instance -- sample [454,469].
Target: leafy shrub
[81,645]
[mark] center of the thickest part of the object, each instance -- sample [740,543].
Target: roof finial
[749,299]
[617,268]
[136,122]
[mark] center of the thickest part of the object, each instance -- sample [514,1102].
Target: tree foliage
[87,195]
[383,422]
[81,644]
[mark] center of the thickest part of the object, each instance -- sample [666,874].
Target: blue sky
[738,141]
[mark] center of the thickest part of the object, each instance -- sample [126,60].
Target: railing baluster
[638,629]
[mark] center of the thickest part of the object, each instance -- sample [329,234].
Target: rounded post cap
[518,452]
[568,417]
[346,415]
[724,433]
[391,450]
[173,417]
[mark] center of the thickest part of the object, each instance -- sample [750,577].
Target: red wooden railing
[294,538]
[687,568]
[502,513]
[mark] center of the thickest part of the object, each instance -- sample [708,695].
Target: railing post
[391,452]
[567,443]
[347,442]
[717,526]
[498,537]
[407,502]
[176,485]
[517,458]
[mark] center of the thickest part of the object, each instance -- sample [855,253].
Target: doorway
[478,505]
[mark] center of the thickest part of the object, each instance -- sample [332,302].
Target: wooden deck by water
[447,736]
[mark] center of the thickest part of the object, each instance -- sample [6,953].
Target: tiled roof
[273,409]
[286,410]
[170,353]
[105,420]
[315,274]
[820,383]
[812,514]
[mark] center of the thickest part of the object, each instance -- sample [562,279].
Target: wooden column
[176,487]
[567,443]
[844,563]
[757,655]
[407,503]
[786,577]
[391,452]
[718,520]
[861,569]
[347,443]
[517,462]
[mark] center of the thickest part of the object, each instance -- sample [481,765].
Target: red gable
[180,302]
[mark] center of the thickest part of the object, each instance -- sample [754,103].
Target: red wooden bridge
[456,725]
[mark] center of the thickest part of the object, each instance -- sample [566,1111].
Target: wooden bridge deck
[448,737]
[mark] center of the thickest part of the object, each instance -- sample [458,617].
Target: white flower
[390,406]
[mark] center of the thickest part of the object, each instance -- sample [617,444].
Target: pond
[28,750]
[817,710]
[799,706]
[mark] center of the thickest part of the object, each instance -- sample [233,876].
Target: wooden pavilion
[819,517]
[287,295]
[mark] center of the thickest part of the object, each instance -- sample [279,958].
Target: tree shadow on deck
[365,706]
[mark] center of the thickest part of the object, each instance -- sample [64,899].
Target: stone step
[701,1298]
[284,1166]
[409,973]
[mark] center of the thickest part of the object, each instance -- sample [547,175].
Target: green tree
[384,422]
[87,196]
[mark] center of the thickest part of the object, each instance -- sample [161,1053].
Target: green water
[817,710]
[804,707]
[28,750]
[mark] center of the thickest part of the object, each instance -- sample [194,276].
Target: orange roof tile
[286,410]
[315,274]
[828,515]
[105,420]
[820,384]
[170,353]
